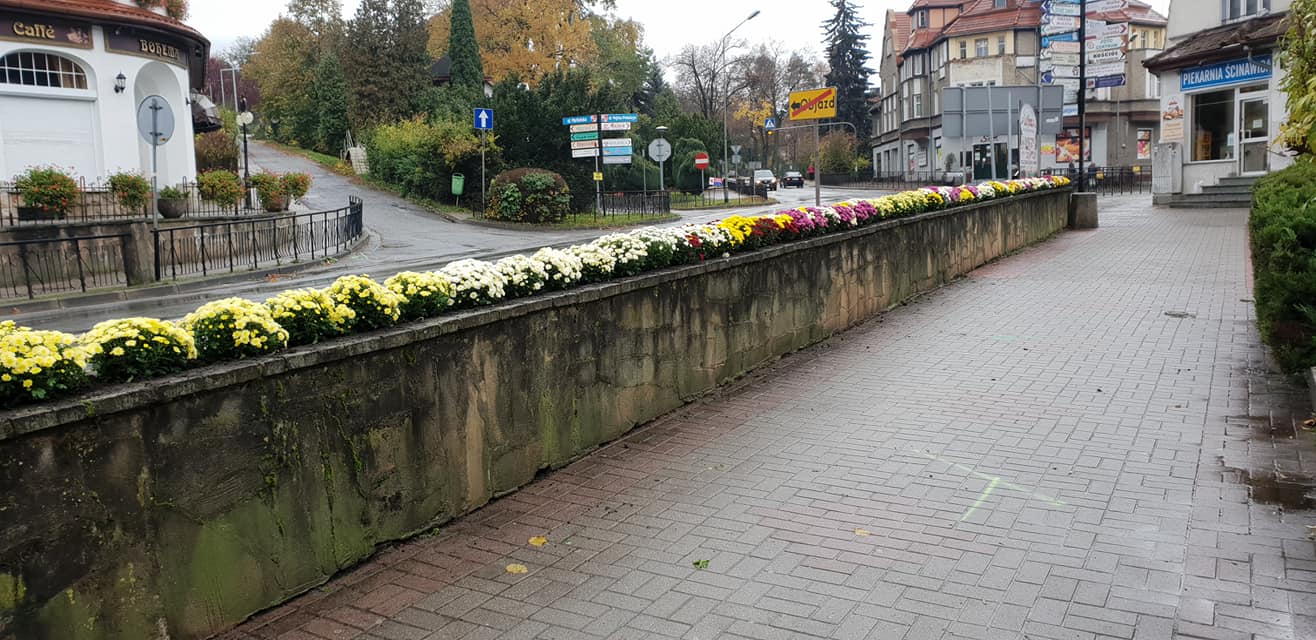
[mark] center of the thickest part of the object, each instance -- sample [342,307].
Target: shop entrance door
[1254,135]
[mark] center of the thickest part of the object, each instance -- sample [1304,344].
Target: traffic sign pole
[817,166]
[484,203]
[598,184]
[1082,92]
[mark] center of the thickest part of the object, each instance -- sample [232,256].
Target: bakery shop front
[72,74]
[1221,105]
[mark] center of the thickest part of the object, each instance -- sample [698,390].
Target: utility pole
[1082,93]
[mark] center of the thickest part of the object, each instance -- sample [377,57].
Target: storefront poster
[1144,144]
[1172,120]
[1067,146]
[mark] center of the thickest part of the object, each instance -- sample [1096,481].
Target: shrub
[220,187]
[524,276]
[419,157]
[173,193]
[1282,227]
[48,189]
[131,190]
[136,348]
[374,305]
[424,295]
[475,283]
[630,252]
[216,151]
[596,264]
[36,365]
[529,195]
[295,185]
[310,315]
[234,328]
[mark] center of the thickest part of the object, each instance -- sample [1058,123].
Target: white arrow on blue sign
[483,119]
[770,124]
[621,117]
[577,119]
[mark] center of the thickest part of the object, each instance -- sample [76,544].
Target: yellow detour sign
[814,104]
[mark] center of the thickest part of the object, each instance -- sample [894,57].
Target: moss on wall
[182,506]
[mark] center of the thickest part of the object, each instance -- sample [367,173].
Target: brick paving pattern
[1059,446]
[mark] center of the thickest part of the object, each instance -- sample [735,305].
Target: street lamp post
[662,185]
[726,105]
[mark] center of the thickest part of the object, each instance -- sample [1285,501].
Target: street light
[726,104]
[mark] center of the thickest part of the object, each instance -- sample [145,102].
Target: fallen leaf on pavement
[539,541]
[517,568]
[700,564]
[863,532]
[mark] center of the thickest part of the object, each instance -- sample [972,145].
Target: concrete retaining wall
[186,504]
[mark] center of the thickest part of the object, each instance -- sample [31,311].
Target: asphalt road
[401,236]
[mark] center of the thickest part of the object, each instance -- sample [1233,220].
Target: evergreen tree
[410,36]
[366,64]
[330,97]
[467,70]
[847,57]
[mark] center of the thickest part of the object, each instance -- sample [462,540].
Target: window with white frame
[964,48]
[1153,86]
[1000,45]
[918,103]
[980,47]
[38,69]
[918,65]
[921,19]
[1238,9]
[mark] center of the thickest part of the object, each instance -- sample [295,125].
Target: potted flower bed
[173,202]
[220,187]
[46,193]
[276,191]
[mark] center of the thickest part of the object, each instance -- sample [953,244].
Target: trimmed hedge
[1282,228]
[529,195]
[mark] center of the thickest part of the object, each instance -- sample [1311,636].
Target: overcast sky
[668,24]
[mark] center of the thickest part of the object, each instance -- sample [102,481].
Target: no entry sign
[701,160]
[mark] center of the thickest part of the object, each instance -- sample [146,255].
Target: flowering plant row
[37,365]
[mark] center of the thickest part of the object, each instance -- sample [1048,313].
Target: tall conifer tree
[463,50]
[847,57]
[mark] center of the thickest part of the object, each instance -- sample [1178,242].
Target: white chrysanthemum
[474,282]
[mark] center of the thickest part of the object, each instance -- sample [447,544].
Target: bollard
[1082,211]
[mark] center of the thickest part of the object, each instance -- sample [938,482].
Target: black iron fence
[31,268]
[636,203]
[242,245]
[714,198]
[96,202]
[1111,180]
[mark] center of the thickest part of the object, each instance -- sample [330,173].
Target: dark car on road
[763,179]
[792,179]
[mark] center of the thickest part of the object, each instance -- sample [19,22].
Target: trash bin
[458,184]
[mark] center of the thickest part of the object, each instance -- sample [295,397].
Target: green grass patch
[590,221]
[329,162]
[682,202]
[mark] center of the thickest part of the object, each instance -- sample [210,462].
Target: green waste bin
[458,184]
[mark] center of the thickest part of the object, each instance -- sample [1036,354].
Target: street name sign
[578,119]
[615,126]
[616,159]
[814,104]
[584,153]
[588,135]
[617,142]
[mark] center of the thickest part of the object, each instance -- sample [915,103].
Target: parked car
[793,179]
[763,178]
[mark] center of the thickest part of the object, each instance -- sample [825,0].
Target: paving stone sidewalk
[1080,441]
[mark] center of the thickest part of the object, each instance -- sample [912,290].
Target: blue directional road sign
[483,119]
[770,124]
[578,120]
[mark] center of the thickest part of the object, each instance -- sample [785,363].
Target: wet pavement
[401,236]
[1082,441]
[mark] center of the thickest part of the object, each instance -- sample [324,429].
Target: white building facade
[1221,101]
[72,75]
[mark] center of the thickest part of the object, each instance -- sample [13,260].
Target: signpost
[155,123]
[814,104]
[701,163]
[484,121]
[660,150]
[245,118]
[587,141]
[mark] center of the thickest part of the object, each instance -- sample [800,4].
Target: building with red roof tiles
[72,74]
[1221,104]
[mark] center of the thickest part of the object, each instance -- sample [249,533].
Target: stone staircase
[1233,192]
